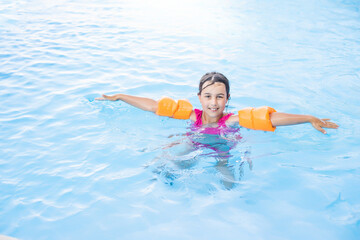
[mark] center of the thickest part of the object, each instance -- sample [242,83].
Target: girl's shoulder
[232,120]
[195,114]
[223,120]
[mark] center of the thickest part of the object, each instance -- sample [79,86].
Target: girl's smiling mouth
[213,109]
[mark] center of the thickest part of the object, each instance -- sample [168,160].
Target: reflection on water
[191,156]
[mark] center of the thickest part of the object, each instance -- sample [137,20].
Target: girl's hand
[319,124]
[106,97]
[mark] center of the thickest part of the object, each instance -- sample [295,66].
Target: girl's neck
[207,120]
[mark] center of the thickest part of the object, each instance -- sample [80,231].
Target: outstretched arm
[283,119]
[146,104]
[182,110]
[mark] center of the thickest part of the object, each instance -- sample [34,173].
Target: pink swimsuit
[222,128]
[216,143]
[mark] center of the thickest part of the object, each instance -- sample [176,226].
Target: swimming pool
[75,168]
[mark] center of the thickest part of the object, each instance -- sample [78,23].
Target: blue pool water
[75,168]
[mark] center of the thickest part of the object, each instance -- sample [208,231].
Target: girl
[211,130]
[214,93]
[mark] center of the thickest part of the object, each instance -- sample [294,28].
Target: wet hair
[214,77]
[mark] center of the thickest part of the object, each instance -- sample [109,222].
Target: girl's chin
[213,114]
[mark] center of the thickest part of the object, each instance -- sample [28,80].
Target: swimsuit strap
[198,114]
[221,121]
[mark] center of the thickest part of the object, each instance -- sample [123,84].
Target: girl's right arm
[146,104]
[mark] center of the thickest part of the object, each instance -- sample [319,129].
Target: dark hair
[214,77]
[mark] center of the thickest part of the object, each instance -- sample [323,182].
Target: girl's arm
[284,119]
[146,104]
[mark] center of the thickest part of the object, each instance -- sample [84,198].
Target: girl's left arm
[284,119]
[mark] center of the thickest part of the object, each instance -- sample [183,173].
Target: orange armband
[184,110]
[256,118]
[170,108]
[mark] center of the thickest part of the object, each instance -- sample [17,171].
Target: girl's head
[212,78]
[213,94]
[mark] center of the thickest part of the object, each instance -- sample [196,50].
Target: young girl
[214,93]
[211,126]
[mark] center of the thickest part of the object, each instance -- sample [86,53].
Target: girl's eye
[220,97]
[207,96]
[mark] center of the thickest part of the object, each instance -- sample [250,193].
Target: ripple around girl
[214,93]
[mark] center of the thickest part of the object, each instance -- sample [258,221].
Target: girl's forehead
[209,87]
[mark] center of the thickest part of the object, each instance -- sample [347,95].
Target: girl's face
[213,100]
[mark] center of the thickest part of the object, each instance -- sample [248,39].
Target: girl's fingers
[331,125]
[321,129]
[107,97]
[325,123]
[318,126]
[104,97]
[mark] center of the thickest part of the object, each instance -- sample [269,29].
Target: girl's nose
[213,101]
